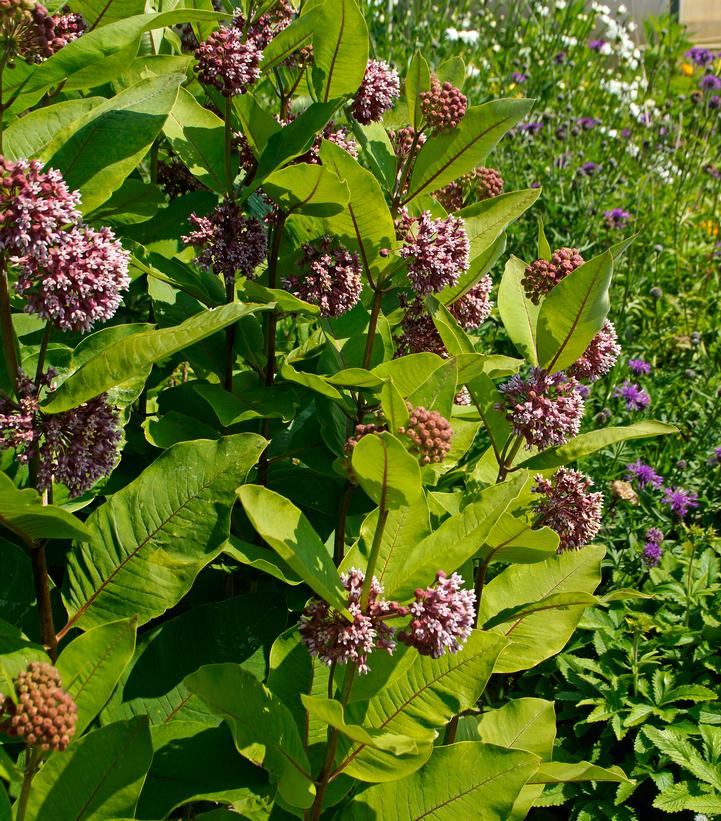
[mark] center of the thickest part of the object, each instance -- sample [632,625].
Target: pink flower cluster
[228,62]
[473,308]
[231,242]
[28,31]
[359,432]
[429,435]
[541,276]
[419,331]
[545,409]
[489,182]
[568,507]
[443,106]
[437,249]
[442,617]
[44,715]
[599,357]
[377,93]
[330,277]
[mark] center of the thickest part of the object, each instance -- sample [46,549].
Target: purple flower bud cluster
[473,308]
[69,27]
[541,276]
[568,507]
[419,331]
[227,62]
[599,357]
[442,617]
[652,550]
[639,367]
[616,218]
[402,141]
[489,182]
[330,278]
[267,26]
[635,397]
[232,243]
[28,31]
[377,93]
[643,475]
[545,409]
[438,250]
[76,447]
[334,640]
[45,714]
[679,501]
[452,196]
[359,432]
[429,435]
[444,106]
[175,179]
[78,282]
[36,207]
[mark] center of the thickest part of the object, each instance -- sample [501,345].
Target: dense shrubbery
[290,483]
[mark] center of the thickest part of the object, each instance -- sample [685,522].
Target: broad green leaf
[295,36]
[393,406]
[539,635]
[92,664]
[197,136]
[409,372]
[453,71]
[523,724]
[418,80]
[485,221]
[149,541]
[452,335]
[90,154]
[17,591]
[258,124]
[561,772]
[512,540]
[437,391]
[420,702]
[595,440]
[386,471]
[262,727]
[556,601]
[101,13]
[194,762]
[259,557]
[201,285]
[355,378]
[307,189]
[377,150]
[235,629]
[456,540]
[340,49]
[291,535]
[331,712]
[135,201]
[366,220]
[98,777]
[6,813]
[447,156]
[464,780]
[125,358]
[573,313]
[28,136]
[256,402]
[518,314]
[23,512]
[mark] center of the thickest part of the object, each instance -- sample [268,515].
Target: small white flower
[452,34]
[622,9]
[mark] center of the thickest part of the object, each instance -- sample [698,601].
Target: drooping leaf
[262,727]
[386,471]
[523,724]
[561,772]
[259,557]
[149,540]
[518,313]
[307,189]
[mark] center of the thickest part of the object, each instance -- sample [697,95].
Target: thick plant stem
[228,145]
[43,351]
[375,549]
[372,325]
[327,769]
[6,325]
[42,592]
[507,459]
[31,766]
[229,340]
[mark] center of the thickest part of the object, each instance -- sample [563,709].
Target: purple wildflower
[639,366]
[587,123]
[545,409]
[532,127]
[559,58]
[651,553]
[330,277]
[715,458]
[588,169]
[700,56]
[438,250]
[600,355]
[377,93]
[333,639]
[568,507]
[442,617]
[228,63]
[78,282]
[635,397]
[616,218]
[714,102]
[644,475]
[231,242]
[518,77]
[680,501]
[596,45]
[710,82]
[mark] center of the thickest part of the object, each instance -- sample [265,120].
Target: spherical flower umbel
[541,276]
[443,106]
[377,93]
[429,435]
[333,639]
[442,617]
[330,278]
[489,182]
[545,409]
[232,243]
[402,141]
[437,249]
[599,357]
[473,308]
[228,63]
[359,432]
[568,507]
[68,27]
[45,714]
[36,207]
[419,331]
[78,282]
[451,196]
[28,31]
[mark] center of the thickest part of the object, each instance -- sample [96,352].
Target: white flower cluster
[470,37]
[617,34]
